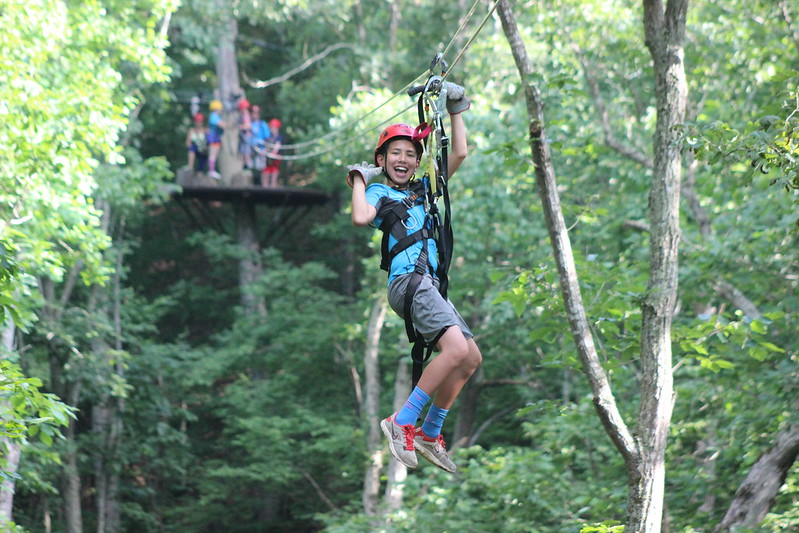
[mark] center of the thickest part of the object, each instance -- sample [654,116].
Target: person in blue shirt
[260,134]
[397,157]
[216,128]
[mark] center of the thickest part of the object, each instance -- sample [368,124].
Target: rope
[474,35]
[349,126]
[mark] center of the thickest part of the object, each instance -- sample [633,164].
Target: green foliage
[232,414]
[609,526]
[9,272]
[764,145]
[62,114]
[26,411]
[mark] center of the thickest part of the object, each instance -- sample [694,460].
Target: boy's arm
[458,147]
[362,211]
[457,103]
[358,177]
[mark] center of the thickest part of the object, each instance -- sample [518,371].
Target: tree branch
[756,494]
[737,298]
[319,491]
[602,112]
[489,421]
[296,70]
[604,401]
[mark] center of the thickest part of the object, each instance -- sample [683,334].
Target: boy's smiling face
[400,161]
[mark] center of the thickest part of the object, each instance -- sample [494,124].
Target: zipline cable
[473,37]
[349,126]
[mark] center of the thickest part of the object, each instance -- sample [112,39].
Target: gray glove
[456,98]
[366,171]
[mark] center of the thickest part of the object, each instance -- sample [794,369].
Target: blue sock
[434,420]
[413,406]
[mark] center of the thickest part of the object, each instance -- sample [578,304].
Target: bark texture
[371,406]
[250,267]
[756,494]
[664,28]
[227,70]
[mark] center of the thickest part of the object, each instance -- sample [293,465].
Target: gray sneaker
[400,441]
[434,450]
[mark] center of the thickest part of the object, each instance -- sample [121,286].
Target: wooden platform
[201,187]
[279,196]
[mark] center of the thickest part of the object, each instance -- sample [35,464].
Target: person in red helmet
[397,208]
[245,132]
[197,143]
[273,144]
[260,134]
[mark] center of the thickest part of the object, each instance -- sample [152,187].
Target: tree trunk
[371,407]
[393,25]
[71,483]
[9,449]
[250,267]
[398,472]
[106,415]
[754,497]
[107,430]
[227,72]
[644,456]
[11,453]
[664,37]
[559,238]
[70,394]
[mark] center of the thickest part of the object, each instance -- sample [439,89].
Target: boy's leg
[449,372]
[446,375]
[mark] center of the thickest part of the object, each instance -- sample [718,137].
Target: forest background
[141,393]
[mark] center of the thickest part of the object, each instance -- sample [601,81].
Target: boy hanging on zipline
[400,207]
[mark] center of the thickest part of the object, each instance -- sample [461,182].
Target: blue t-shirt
[215,131]
[379,196]
[260,130]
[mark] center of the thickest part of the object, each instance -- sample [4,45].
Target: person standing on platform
[272,170]
[197,143]
[245,132]
[260,134]
[216,127]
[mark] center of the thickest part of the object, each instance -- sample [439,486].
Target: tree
[75,70]
[643,454]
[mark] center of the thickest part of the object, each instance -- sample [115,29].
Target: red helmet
[198,117]
[398,131]
[275,123]
[243,104]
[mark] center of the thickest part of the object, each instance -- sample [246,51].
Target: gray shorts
[431,314]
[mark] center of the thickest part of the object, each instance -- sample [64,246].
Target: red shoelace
[408,430]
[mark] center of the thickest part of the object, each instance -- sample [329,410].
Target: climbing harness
[432,138]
